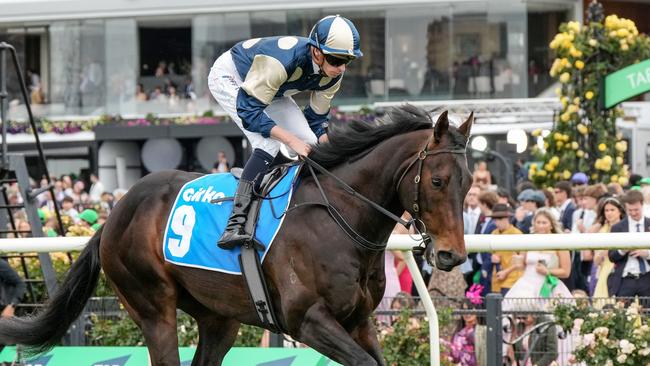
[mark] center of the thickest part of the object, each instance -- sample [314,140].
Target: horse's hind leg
[216,336]
[155,314]
[322,332]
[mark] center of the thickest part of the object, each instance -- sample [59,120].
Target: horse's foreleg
[366,336]
[216,336]
[321,331]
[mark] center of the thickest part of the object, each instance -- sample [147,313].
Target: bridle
[416,222]
[420,157]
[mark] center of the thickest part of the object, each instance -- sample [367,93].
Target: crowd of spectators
[528,280]
[165,87]
[83,209]
[573,206]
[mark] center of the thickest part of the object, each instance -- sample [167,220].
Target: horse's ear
[441,127]
[466,127]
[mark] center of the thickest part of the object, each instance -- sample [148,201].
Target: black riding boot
[235,234]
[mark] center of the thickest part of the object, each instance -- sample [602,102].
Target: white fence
[473,243]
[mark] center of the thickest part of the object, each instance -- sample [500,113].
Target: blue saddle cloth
[195,225]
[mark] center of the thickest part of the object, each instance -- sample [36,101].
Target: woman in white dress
[539,264]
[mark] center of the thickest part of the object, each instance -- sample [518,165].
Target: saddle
[269,180]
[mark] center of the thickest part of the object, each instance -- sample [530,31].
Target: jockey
[254,81]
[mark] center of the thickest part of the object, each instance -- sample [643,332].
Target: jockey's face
[326,68]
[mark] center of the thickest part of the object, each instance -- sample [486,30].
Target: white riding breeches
[224,83]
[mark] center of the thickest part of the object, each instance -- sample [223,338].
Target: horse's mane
[348,139]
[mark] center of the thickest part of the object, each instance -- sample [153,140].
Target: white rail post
[418,281]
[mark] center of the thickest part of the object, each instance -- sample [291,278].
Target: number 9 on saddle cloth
[200,212]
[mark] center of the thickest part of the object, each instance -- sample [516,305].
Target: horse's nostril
[449,259]
[445,256]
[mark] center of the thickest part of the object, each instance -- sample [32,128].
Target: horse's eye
[436,182]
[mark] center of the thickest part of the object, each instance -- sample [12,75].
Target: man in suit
[631,267]
[472,212]
[471,218]
[565,204]
[486,225]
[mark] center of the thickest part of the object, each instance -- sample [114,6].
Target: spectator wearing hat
[506,265]
[579,179]
[631,267]
[88,217]
[565,204]
[530,200]
[47,230]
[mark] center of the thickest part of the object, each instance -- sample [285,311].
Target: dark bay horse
[324,287]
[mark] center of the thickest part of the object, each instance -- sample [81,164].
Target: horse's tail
[44,330]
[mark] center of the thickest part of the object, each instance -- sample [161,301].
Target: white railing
[524,242]
[405,243]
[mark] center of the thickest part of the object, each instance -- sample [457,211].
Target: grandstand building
[126,57]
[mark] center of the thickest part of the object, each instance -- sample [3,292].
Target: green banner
[138,356]
[627,83]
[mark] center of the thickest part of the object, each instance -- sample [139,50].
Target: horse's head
[433,188]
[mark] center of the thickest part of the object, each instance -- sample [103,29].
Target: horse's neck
[374,176]
[382,166]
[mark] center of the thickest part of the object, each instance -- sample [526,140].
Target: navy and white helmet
[336,35]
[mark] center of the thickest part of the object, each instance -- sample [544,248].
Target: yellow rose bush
[584,136]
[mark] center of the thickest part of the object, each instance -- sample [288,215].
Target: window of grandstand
[439,50]
[165,53]
[543,21]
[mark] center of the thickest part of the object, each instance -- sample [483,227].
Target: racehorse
[323,286]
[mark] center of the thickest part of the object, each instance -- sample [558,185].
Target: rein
[347,228]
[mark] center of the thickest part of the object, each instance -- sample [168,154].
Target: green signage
[627,83]
[138,356]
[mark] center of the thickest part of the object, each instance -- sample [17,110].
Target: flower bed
[46,125]
[613,337]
